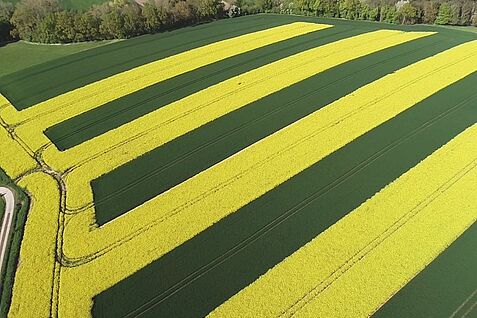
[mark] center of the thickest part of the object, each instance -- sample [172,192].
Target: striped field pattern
[264,166]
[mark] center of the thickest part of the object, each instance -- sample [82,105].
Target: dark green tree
[28,16]
[133,21]
[264,5]
[112,25]
[65,26]
[302,6]
[86,26]
[349,9]
[326,8]
[388,14]
[250,6]
[46,30]
[367,12]
[207,9]
[152,21]
[445,14]
[407,14]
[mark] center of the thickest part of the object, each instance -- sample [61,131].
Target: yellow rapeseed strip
[359,262]
[70,104]
[14,159]
[131,140]
[34,276]
[211,195]
[140,236]
[432,191]
[392,264]
[159,237]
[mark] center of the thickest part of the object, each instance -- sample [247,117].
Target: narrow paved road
[7,222]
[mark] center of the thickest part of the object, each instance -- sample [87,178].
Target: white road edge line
[9,198]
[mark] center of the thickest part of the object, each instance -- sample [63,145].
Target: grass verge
[20,215]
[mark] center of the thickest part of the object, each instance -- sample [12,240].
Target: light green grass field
[20,55]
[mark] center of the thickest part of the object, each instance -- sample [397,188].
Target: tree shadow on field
[2,44]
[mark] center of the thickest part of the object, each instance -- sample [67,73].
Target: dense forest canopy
[46,21]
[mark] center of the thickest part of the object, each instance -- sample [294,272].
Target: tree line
[442,12]
[46,21]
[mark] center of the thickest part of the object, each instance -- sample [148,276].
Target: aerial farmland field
[261,166]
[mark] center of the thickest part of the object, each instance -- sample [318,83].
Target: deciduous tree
[445,14]
[28,16]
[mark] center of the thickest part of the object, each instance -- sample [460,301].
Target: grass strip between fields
[194,111]
[184,157]
[446,288]
[220,261]
[93,123]
[138,238]
[72,103]
[32,290]
[368,255]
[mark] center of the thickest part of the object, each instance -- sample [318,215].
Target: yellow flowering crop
[34,276]
[159,225]
[75,102]
[133,139]
[253,171]
[393,263]
[220,190]
[14,160]
[362,260]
